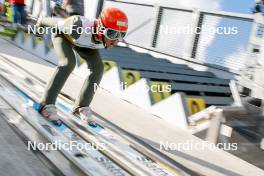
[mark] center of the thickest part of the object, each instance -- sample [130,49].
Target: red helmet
[115,23]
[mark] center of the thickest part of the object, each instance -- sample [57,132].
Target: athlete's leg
[66,65]
[95,64]
[14,12]
[21,14]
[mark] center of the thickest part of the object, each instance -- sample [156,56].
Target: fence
[207,37]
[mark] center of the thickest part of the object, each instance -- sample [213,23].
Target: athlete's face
[110,43]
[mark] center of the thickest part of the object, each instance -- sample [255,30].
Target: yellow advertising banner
[195,105]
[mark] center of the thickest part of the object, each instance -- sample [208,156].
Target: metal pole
[157,19]
[46,11]
[235,93]
[46,8]
[214,129]
[99,7]
[31,6]
[199,21]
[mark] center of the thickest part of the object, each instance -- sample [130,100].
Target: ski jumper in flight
[84,36]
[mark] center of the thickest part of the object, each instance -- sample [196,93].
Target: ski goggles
[112,34]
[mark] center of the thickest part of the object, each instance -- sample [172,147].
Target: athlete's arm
[67,26]
[70,26]
[65,3]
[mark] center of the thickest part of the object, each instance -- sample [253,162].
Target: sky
[232,48]
[242,6]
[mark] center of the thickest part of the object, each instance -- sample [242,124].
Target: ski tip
[94,124]
[56,122]
[36,106]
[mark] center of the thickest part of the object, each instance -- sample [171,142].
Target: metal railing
[216,115]
[151,27]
